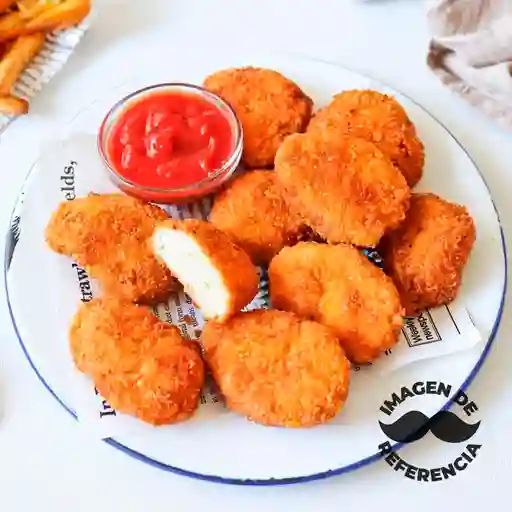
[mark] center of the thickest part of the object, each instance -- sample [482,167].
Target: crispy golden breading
[107,234]
[346,189]
[278,369]
[252,210]
[337,286]
[426,255]
[380,119]
[217,274]
[139,364]
[269,106]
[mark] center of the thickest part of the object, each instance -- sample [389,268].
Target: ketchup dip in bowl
[170,143]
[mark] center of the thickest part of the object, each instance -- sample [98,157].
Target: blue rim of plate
[9,251]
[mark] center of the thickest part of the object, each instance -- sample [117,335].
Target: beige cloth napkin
[471,52]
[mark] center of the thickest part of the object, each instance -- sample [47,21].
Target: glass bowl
[180,194]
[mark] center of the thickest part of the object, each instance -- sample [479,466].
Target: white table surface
[44,459]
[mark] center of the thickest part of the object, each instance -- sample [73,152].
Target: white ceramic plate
[227,448]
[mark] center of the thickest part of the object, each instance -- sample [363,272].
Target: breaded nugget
[139,364]
[107,234]
[278,369]
[426,255]
[217,274]
[269,106]
[346,189]
[252,210]
[337,286]
[380,119]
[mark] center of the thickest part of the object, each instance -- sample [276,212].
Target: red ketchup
[169,141]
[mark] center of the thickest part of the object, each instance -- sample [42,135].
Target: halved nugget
[346,189]
[252,210]
[278,369]
[337,286]
[269,106]
[427,254]
[107,234]
[217,274]
[380,119]
[139,364]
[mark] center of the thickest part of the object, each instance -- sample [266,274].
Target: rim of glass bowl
[228,167]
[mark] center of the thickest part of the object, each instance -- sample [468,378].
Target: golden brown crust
[380,119]
[107,234]
[239,275]
[337,286]
[140,365]
[346,189]
[278,369]
[426,255]
[252,210]
[269,106]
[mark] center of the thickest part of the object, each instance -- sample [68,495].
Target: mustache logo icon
[445,425]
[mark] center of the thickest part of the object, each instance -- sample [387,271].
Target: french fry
[30,9]
[63,15]
[25,5]
[17,59]
[14,106]
[42,17]
[5,4]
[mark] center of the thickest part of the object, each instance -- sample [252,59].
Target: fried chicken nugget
[337,286]
[107,234]
[346,189]
[380,119]
[270,107]
[426,255]
[139,364]
[252,210]
[217,274]
[277,369]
